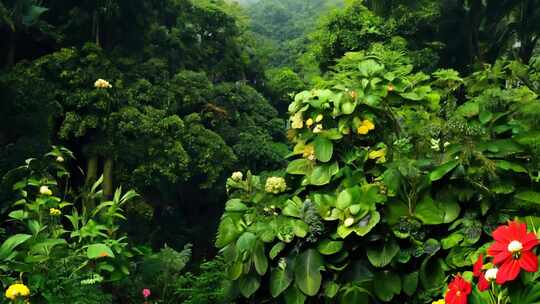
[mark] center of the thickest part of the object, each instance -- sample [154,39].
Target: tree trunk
[10,59]
[108,178]
[91,170]
[95,28]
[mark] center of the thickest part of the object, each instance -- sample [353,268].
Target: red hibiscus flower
[483,283]
[458,291]
[512,251]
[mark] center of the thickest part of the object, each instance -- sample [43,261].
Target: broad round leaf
[323,149]
[280,279]
[96,251]
[386,285]
[249,284]
[380,256]
[307,272]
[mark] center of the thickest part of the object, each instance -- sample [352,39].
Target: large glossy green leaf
[227,232]
[96,251]
[259,258]
[294,296]
[307,272]
[276,249]
[355,294]
[235,205]
[382,255]
[249,284]
[469,109]
[280,280]
[45,246]
[323,149]
[235,270]
[300,166]
[452,240]
[331,289]
[432,273]
[328,247]
[506,165]
[345,198]
[246,241]
[365,225]
[529,196]
[386,285]
[18,215]
[432,212]
[442,170]
[410,283]
[11,243]
[322,174]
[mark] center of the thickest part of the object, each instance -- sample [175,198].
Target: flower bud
[45,190]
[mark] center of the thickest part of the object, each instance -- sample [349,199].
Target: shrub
[63,251]
[394,180]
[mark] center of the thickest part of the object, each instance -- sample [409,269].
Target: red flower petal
[502,235]
[483,284]
[501,257]
[477,267]
[517,230]
[529,241]
[508,271]
[528,261]
[496,248]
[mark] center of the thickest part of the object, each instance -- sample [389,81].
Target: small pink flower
[146,293]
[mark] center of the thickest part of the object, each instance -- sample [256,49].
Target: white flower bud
[45,190]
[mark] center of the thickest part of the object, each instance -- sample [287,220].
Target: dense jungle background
[261,151]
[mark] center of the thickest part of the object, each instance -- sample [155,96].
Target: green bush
[65,246]
[394,179]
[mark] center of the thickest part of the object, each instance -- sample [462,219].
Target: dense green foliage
[173,123]
[368,147]
[400,177]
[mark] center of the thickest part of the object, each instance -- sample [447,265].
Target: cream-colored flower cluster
[102,84]
[275,185]
[237,176]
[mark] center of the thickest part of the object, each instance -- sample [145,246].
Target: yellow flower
[309,152]
[296,121]
[319,118]
[309,123]
[379,155]
[365,127]
[102,84]
[348,222]
[441,301]
[17,290]
[60,159]
[55,212]
[318,128]
[45,190]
